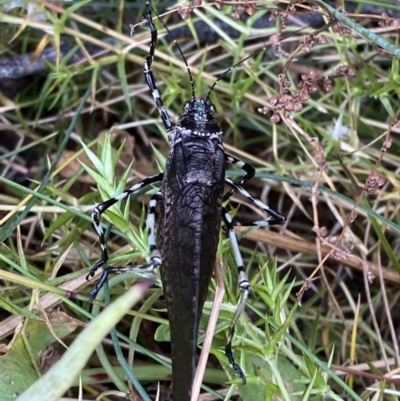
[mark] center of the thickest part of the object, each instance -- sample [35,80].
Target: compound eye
[212,109]
[186,106]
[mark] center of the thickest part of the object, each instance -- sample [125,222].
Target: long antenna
[243,60]
[177,45]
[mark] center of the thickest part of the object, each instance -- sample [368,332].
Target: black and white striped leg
[244,286]
[276,217]
[249,169]
[97,212]
[155,256]
[148,73]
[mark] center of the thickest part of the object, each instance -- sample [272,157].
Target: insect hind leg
[243,281]
[244,286]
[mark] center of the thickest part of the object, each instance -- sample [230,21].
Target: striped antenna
[245,59]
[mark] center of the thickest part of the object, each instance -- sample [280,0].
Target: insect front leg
[148,73]
[96,213]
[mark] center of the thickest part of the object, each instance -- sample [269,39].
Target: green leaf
[163,333]
[313,371]
[262,382]
[100,181]
[17,367]
[14,309]
[108,160]
[61,376]
[93,158]
[59,222]
[124,82]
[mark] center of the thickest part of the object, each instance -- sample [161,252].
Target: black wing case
[188,233]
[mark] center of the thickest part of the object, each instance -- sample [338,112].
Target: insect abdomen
[188,239]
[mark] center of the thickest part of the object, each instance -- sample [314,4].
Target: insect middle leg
[155,256]
[275,219]
[98,211]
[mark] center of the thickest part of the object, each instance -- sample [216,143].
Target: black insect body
[188,231]
[191,211]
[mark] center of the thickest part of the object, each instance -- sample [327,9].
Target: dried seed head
[284,99]
[351,73]
[304,96]
[218,4]
[250,8]
[331,239]
[318,154]
[274,15]
[373,183]
[307,42]
[327,84]
[235,15]
[352,217]
[387,143]
[370,276]
[273,101]
[284,18]
[323,231]
[342,70]
[295,95]
[289,117]
[341,253]
[314,9]
[286,83]
[388,21]
[313,74]
[184,12]
[274,39]
[340,28]
[346,71]
[275,118]
[289,106]
[298,107]
[313,88]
